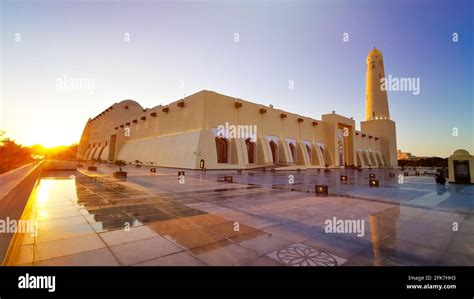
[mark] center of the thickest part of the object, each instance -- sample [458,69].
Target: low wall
[59,165]
[177,150]
[13,204]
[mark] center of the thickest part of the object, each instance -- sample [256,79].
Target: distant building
[405,156]
[461,167]
[224,132]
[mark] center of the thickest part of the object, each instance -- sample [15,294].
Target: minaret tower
[377,118]
[376,104]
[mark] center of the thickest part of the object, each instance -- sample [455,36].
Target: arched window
[222,147]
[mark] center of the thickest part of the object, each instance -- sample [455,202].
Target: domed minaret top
[375,54]
[376,103]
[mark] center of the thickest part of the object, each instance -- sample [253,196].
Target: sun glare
[45,137]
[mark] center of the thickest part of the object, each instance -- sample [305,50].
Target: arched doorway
[326,155]
[222,148]
[379,159]
[359,161]
[340,151]
[341,146]
[274,148]
[308,149]
[293,152]
[100,152]
[461,172]
[91,157]
[373,159]
[366,159]
[250,150]
[321,148]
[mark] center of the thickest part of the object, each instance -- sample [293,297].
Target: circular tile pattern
[300,255]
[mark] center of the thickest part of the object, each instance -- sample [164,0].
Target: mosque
[193,132]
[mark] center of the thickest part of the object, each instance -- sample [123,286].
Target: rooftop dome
[374,54]
[461,152]
[130,102]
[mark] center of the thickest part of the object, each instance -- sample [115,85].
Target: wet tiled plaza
[89,218]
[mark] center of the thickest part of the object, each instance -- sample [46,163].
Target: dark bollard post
[321,189]
[373,183]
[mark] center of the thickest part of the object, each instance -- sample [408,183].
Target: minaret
[377,118]
[376,104]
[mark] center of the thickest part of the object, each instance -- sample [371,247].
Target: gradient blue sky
[279,41]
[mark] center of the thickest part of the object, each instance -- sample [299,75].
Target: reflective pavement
[259,220]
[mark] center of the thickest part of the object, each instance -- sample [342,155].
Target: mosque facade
[215,131]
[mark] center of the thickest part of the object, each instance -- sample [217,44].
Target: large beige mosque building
[224,132]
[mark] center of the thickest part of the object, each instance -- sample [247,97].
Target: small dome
[374,54]
[130,102]
[127,103]
[461,152]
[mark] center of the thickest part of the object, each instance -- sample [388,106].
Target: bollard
[373,183]
[321,189]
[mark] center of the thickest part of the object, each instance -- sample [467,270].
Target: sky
[155,52]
